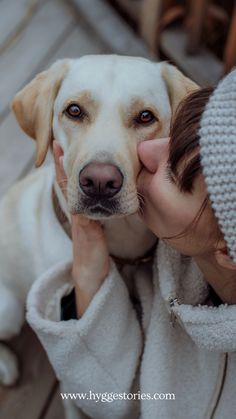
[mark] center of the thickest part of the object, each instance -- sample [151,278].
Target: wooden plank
[80,42]
[12,17]
[149,22]
[197,15]
[37,40]
[111,28]
[9,20]
[28,397]
[204,68]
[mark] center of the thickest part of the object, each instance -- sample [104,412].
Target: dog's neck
[128,238]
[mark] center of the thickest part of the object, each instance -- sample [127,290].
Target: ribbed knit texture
[218,156]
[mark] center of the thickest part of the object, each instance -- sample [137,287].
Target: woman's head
[177,206]
[184,150]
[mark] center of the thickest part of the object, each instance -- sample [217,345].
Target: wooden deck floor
[32,36]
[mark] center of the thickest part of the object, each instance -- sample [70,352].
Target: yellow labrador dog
[98,108]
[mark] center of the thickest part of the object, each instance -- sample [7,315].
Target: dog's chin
[99,212]
[102,215]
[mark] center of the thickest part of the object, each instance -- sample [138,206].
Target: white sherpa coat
[107,350]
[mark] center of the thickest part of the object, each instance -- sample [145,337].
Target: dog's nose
[101,180]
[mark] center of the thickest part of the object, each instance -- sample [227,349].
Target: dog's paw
[9,371]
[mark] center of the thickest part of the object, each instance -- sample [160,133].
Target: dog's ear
[178,85]
[33,106]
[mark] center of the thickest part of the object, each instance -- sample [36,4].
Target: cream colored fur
[113,90]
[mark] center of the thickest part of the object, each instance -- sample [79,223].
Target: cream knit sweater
[109,351]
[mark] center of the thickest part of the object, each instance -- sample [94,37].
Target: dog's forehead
[111,77]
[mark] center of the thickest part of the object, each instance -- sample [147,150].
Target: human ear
[224,260]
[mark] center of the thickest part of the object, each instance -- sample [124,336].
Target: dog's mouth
[96,207]
[101,211]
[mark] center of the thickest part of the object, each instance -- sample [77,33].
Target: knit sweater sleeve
[98,354]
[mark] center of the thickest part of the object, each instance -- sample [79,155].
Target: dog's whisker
[140,194]
[141,203]
[141,197]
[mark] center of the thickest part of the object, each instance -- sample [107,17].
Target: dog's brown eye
[74,111]
[145,117]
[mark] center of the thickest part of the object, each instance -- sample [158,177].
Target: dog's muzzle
[100,183]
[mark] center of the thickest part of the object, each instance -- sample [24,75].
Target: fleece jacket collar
[185,291]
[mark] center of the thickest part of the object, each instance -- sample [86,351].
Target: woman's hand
[90,252]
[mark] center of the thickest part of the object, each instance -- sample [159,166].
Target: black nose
[100,180]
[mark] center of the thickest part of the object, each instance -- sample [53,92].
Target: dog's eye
[145,117]
[74,111]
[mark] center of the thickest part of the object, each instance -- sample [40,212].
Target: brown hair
[184,148]
[184,138]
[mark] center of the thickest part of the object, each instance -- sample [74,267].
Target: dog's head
[99,108]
